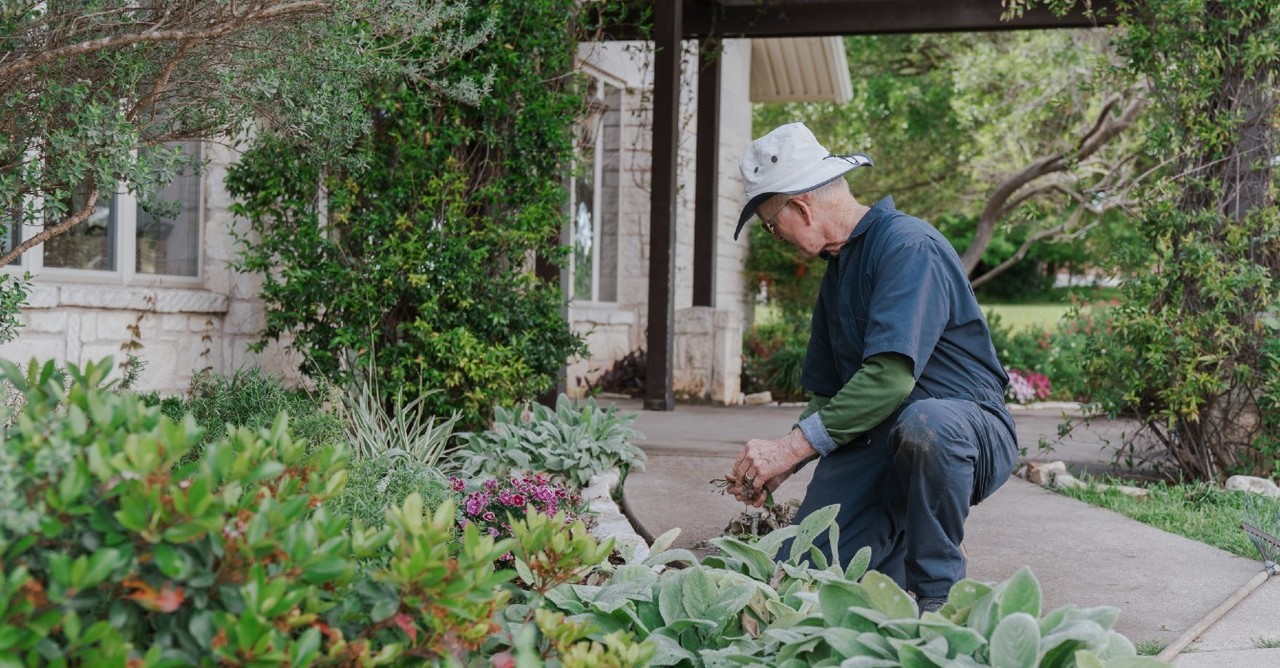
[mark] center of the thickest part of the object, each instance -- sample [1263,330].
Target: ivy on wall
[423,261]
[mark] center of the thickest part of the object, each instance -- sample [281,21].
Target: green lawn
[1021,317]
[1199,511]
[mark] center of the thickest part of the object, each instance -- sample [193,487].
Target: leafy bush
[424,255]
[375,484]
[252,398]
[773,358]
[1060,353]
[13,294]
[112,552]
[744,608]
[1187,356]
[571,443]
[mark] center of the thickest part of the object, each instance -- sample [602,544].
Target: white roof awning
[800,69]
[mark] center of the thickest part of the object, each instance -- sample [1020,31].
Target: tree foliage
[1010,136]
[95,93]
[420,264]
[1195,349]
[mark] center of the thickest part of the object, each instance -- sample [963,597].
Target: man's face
[785,217]
[770,223]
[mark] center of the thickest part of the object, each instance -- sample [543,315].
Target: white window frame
[126,251]
[597,194]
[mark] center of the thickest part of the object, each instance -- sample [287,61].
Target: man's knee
[928,428]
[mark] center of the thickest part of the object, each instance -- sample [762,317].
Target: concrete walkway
[1082,555]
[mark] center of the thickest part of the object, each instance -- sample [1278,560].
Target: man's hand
[764,464]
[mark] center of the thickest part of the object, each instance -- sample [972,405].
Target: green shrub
[112,552]
[253,399]
[773,358]
[375,484]
[1059,353]
[745,608]
[13,294]
[423,256]
[571,443]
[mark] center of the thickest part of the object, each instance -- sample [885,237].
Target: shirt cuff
[817,434]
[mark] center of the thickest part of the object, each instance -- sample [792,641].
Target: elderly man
[907,417]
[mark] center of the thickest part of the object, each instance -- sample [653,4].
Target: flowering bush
[497,502]
[1027,386]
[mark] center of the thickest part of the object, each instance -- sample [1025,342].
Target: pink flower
[476,503]
[490,517]
[456,484]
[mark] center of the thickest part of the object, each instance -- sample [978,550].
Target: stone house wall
[184,326]
[207,323]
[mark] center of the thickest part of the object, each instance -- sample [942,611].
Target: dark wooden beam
[807,18]
[706,190]
[662,206]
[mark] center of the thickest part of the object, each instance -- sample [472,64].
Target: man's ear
[805,207]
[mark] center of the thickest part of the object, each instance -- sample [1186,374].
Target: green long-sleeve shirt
[870,396]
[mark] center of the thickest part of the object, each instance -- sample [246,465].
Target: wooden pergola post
[706,191]
[667,32]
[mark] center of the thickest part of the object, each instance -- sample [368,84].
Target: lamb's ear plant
[572,442]
[778,602]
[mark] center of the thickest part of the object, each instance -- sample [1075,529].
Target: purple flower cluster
[489,506]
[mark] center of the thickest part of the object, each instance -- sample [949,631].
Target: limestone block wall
[708,355]
[702,368]
[608,333]
[208,323]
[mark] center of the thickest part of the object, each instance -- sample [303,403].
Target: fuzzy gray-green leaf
[1015,642]
[1021,594]
[810,528]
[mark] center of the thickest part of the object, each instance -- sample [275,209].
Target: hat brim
[749,211]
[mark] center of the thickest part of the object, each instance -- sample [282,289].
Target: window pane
[584,241]
[583,238]
[10,237]
[610,186]
[168,232]
[88,245]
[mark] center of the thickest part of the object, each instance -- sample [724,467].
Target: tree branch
[117,41]
[162,79]
[91,205]
[1017,256]
[1104,129]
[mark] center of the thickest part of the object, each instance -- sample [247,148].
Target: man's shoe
[930,604]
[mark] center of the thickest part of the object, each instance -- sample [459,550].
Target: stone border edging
[611,521]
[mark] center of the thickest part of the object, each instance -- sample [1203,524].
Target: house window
[593,219]
[168,229]
[91,244]
[139,239]
[10,237]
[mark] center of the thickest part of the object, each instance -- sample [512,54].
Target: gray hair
[829,190]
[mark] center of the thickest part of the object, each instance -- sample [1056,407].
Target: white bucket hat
[788,161]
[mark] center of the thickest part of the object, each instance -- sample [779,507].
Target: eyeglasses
[770,225]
